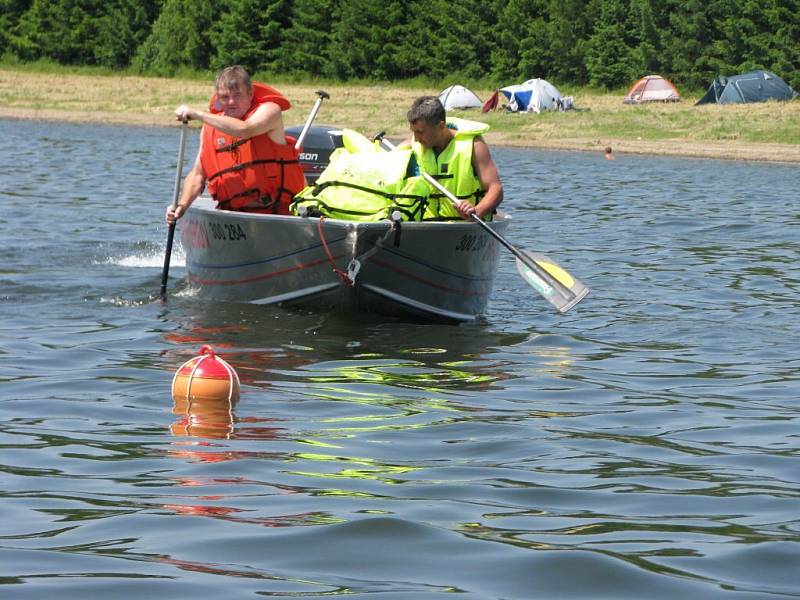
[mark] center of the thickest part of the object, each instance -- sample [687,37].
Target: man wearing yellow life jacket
[245,157]
[454,152]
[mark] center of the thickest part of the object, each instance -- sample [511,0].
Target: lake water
[645,444]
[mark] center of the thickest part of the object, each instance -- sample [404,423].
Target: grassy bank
[768,131]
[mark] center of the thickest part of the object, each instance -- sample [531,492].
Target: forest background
[605,44]
[133,61]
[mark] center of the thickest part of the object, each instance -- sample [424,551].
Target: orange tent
[652,88]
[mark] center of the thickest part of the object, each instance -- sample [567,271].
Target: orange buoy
[205,377]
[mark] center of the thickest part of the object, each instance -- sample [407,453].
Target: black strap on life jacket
[233,146]
[323,209]
[264,199]
[321,186]
[262,161]
[420,200]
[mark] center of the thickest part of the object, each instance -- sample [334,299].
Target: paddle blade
[552,281]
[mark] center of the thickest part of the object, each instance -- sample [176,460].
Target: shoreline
[769,153]
[731,132]
[721,150]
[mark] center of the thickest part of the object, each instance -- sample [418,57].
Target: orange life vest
[256,174]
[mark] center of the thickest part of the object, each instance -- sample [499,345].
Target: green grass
[47,90]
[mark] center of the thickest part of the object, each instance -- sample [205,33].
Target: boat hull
[442,271]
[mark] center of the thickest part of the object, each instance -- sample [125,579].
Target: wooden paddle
[542,273]
[175,198]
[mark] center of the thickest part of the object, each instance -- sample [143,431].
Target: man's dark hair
[233,78]
[428,109]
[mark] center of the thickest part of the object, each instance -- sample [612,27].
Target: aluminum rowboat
[439,271]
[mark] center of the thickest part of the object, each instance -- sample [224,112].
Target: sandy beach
[679,129]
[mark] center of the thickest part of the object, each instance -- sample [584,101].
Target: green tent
[755,86]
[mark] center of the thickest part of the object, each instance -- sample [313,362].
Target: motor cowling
[319,143]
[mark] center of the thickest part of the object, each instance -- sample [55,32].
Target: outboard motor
[319,143]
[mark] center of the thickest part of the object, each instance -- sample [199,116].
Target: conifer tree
[648,48]
[10,13]
[611,60]
[439,40]
[306,43]
[236,37]
[78,32]
[520,32]
[364,37]
[783,40]
[179,38]
[688,41]
[569,24]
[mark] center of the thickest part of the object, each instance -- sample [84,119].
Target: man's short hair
[233,78]
[428,109]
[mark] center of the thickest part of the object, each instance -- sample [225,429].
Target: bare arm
[486,171]
[266,119]
[193,185]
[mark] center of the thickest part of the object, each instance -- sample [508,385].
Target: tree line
[601,43]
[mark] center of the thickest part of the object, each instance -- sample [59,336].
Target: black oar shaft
[175,197]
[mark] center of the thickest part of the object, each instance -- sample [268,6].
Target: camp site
[755,86]
[399,300]
[652,88]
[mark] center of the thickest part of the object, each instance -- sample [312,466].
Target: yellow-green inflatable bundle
[364,183]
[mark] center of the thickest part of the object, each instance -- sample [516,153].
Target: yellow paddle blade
[551,280]
[560,274]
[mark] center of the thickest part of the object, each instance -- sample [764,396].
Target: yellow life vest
[364,183]
[452,168]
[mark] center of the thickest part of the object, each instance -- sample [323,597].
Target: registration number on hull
[227,231]
[472,243]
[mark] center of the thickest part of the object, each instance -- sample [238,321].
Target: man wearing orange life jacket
[245,157]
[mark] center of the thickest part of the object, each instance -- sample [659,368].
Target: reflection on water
[643,444]
[381,358]
[210,418]
[216,419]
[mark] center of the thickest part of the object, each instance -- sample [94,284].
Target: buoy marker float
[206,377]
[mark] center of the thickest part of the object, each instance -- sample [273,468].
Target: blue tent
[755,86]
[535,95]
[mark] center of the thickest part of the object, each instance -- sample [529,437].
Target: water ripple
[643,444]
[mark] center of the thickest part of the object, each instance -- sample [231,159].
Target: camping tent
[755,86]
[535,95]
[651,88]
[457,96]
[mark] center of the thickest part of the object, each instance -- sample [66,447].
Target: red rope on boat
[342,274]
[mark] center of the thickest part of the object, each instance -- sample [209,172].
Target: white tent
[535,95]
[457,96]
